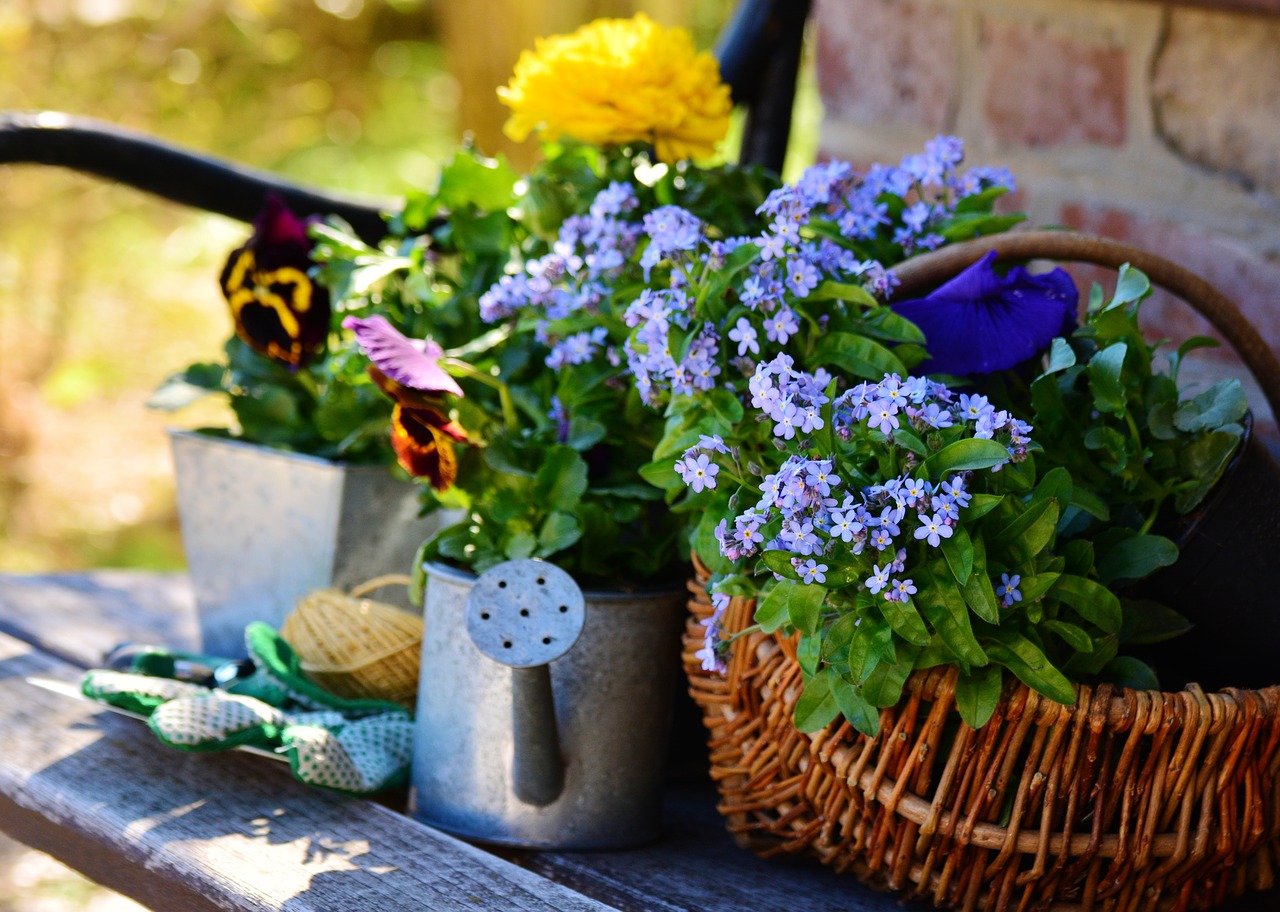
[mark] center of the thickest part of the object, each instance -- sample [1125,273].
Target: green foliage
[1147,451]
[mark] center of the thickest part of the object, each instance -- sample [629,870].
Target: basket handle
[390,579]
[920,273]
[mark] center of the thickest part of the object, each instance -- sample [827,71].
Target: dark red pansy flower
[980,322]
[408,371]
[276,308]
[423,442]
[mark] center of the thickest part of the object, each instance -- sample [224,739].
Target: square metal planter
[262,528]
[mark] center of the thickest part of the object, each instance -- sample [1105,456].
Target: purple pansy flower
[980,321]
[410,362]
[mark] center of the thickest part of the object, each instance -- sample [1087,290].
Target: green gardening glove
[353,746]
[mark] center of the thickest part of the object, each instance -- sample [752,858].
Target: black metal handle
[157,167]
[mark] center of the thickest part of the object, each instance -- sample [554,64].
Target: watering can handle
[923,272]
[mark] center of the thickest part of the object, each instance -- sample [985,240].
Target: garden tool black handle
[154,166]
[920,273]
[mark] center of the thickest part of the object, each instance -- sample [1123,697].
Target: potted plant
[300,494]
[532,430]
[853,595]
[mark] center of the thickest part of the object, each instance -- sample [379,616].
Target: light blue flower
[1008,588]
[813,572]
[933,528]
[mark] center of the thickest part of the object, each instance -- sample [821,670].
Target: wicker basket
[356,647]
[1125,801]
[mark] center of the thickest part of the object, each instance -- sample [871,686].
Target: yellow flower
[616,81]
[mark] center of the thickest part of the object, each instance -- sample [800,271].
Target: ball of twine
[356,647]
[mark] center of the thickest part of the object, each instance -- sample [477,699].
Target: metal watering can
[543,711]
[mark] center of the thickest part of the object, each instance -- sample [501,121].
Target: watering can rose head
[619,81]
[277,309]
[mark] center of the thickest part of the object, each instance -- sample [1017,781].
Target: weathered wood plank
[210,830]
[79,617]
[192,832]
[697,867]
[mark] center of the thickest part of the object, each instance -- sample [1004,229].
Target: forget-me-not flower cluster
[808,510]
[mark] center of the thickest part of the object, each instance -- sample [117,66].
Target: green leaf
[872,643]
[469,179]
[981,598]
[1105,380]
[943,606]
[780,562]
[561,480]
[972,453]
[1036,585]
[1055,485]
[584,433]
[801,604]
[708,546]
[192,384]
[1073,636]
[1092,601]
[905,621]
[771,613]
[817,706]
[809,654]
[1135,557]
[855,355]
[559,531]
[662,474]
[1223,403]
[520,544]
[1131,285]
[1126,671]
[958,550]
[1061,356]
[1204,461]
[856,708]
[909,440]
[883,687]
[883,323]
[1147,622]
[838,638]
[1030,533]
[1024,658]
[980,506]
[978,695]
[681,340]
[839,291]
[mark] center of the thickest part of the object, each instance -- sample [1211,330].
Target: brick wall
[1154,124]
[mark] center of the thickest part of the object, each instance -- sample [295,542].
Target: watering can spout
[537,769]
[524,614]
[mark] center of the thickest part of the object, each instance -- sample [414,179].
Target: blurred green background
[104,291]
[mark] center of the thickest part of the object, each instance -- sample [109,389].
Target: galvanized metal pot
[570,754]
[261,528]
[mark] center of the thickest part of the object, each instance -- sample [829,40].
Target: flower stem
[462,368]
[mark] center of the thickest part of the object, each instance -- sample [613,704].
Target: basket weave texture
[356,647]
[1126,801]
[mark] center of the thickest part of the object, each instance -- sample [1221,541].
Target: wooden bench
[233,831]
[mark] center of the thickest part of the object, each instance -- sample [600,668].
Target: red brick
[1046,88]
[1244,276]
[880,61]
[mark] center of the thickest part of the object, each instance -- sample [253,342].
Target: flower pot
[605,707]
[262,528]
